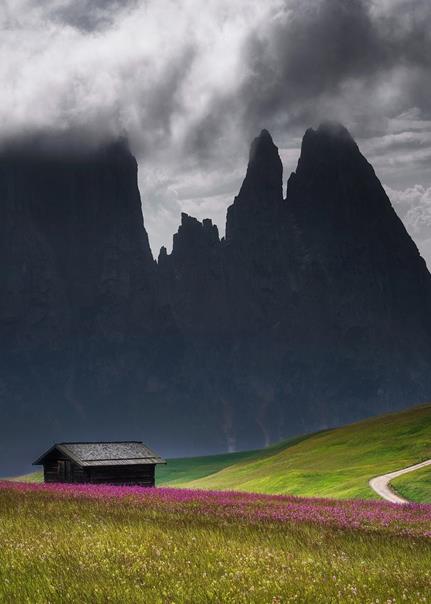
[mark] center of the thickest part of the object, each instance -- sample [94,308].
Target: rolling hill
[333,463]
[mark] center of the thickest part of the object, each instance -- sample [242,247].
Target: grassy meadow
[112,544]
[231,538]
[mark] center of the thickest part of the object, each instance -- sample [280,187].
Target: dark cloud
[309,53]
[191,86]
[296,63]
[331,57]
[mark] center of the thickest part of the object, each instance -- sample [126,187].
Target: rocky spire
[194,236]
[365,291]
[191,277]
[261,192]
[329,149]
[339,203]
[263,181]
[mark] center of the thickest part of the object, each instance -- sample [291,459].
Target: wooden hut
[121,463]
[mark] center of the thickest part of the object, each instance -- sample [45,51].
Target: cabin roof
[121,453]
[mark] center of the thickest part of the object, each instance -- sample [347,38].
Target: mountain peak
[330,137]
[193,234]
[332,129]
[189,221]
[264,134]
[336,191]
[262,189]
[262,147]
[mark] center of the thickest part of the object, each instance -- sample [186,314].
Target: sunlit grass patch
[414,486]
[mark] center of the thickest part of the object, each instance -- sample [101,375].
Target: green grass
[335,463]
[415,486]
[66,549]
[32,477]
[186,469]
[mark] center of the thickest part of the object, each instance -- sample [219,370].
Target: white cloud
[152,71]
[413,205]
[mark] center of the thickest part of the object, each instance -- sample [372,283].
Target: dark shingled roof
[106,453]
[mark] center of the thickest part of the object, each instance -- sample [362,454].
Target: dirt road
[380,484]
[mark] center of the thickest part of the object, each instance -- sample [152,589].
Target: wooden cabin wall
[79,474]
[139,474]
[52,471]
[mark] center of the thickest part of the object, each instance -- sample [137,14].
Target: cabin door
[64,471]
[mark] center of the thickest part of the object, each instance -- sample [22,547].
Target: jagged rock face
[227,296]
[81,214]
[259,201]
[193,284]
[79,319]
[260,275]
[327,298]
[313,311]
[365,291]
[192,277]
[257,247]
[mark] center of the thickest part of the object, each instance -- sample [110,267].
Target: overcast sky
[192,82]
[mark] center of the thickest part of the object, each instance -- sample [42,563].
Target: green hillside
[186,469]
[335,463]
[415,486]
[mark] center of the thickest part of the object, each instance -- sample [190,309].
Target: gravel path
[380,484]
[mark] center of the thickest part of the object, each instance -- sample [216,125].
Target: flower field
[86,543]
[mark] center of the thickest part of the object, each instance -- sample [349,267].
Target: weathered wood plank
[138,474]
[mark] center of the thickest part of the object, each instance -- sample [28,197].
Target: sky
[190,83]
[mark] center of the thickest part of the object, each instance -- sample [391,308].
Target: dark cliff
[312,311]
[365,291]
[80,323]
[192,278]
[321,299]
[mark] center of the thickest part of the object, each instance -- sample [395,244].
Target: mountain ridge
[312,311]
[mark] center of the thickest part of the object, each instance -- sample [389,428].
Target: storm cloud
[191,84]
[352,60]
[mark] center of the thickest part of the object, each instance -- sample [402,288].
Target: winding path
[380,484]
